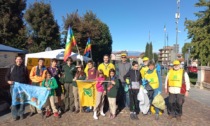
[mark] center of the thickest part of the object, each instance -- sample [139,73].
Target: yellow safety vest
[175,78]
[143,71]
[105,68]
[153,79]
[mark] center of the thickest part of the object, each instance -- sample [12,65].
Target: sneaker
[178,118]
[76,111]
[59,110]
[102,114]
[41,115]
[113,116]
[56,115]
[170,117]
[132,116]
[14,119]
[47,113]
[110,115]
[21,117]
[95,116]
[156,116]
[135,117]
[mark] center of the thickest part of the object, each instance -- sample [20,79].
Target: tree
[43,29]
[86,26]
[12,28]
[199,33]
[148,51]
[155,57]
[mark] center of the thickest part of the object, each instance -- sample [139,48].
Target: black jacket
[134,76]
[17,74]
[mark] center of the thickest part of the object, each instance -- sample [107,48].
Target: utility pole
[177,16]
[164,44]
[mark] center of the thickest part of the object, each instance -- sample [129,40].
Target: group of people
[109,79]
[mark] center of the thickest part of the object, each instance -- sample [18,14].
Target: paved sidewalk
[196,112]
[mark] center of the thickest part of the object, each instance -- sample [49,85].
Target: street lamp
[177,16]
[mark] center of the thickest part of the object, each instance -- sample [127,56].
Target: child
[111,90]
[153,78]
[80,75]
[51,84]
[135,79]
[100,95]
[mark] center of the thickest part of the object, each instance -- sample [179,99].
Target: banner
[34,95]
[87,92]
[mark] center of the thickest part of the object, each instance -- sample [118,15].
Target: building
[168,54]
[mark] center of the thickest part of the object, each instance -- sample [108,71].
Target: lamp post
[177,16]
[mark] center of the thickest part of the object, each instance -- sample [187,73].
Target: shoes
[14,119]
[76,111]
[132,116]
[31,114]
[113,116]
[135,117]
[41,115]
[95,115]
[56,115]
[60,110]
[156,116]
[87,110]
[178,118]
[110,115]
[102,113]
[170,117]
[21,117]
[47,113]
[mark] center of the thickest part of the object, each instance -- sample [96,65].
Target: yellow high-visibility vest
[175,78]
[143,71]
[153,79]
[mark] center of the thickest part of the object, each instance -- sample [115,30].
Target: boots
[95,115]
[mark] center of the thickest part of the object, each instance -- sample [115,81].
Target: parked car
[192,69]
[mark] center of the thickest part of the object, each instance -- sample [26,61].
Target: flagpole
[79,54]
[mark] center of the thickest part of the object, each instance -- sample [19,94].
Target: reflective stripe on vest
[153,79]
[175,78]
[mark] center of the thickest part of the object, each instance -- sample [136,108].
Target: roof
[4,48]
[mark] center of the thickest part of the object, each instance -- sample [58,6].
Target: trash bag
[159,102]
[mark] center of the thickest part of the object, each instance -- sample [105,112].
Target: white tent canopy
[57,54]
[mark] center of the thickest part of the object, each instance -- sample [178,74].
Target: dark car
[192,69]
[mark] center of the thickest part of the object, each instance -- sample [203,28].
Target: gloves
[127,81]
[144,82]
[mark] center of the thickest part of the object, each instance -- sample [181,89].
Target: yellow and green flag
[87,92]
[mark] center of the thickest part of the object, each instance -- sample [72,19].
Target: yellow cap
[145,59]
[176,62]
[123,54]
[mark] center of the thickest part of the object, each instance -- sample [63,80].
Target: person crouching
[51,84]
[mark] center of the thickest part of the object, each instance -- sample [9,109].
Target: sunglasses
[123,57]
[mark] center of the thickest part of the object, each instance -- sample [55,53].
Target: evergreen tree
[12,28]
[199,33]
[86,26]
[43,29]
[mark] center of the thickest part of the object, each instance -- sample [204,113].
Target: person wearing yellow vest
[154,79]
[106,66]
[177,84]
[144,68]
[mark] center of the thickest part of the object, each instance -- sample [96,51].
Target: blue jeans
[126,97]
[16,110]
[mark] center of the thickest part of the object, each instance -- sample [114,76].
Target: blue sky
[130,21]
